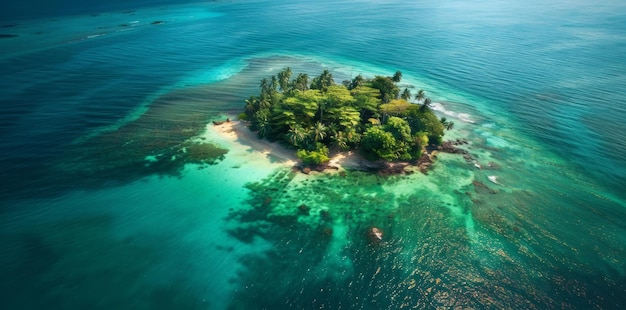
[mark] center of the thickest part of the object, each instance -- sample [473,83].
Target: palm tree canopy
[397,77]
[406,94]
[420,95]
[283,79]
[319,132]
[372,115]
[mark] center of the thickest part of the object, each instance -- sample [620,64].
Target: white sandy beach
[237,132]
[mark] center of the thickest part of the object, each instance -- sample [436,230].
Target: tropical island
[318,116]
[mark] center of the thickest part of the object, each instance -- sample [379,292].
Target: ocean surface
[117,193]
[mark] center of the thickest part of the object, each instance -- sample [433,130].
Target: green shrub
[312,157]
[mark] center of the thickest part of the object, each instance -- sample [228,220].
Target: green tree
[377,143]
[273,85]
[304,110]
[323,81]
[399,128]
[357,81]
[315,157]
[420,96]
[448,125]
[397,77]
[295,136]
[353,136]
[366,101]
[348,117]
[283,117]
[338,95]
[406,94]
[262,119]
[420,141]
[302,82]
[426,121]
[252,105]
[340,141]
[311,95]
[283,79]
[319,132]
[427,105]
[394,108]
[265,88]
[386,86]
[264,102]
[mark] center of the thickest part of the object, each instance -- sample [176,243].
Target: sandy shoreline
[237,132]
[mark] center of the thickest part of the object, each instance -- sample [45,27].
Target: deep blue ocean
[103,205]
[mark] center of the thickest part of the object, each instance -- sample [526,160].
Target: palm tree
[252,105]
[307,140]
[283,79]
[340,141]
[448,125]
[406,94]
[264,103]
[302,82]
[357,81]
[274,83]
[397,77]
[420,96]
[322,105]
[319,132]
[295,135]
[264,86]
[323,81]
[265,127]
[427,104]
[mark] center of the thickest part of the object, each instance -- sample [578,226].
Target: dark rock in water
[325,166]
[481,188]
[217,123]
[157,22]
[449,147]
[373,165]
[304,209]
[493,166]
[7,36]
[393,168]
[325,215]
[375,235]
[327,231]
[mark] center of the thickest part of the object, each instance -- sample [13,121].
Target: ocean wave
[464,117]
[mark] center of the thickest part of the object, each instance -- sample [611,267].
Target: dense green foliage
[371,115]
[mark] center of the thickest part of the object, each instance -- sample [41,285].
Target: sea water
[104,206]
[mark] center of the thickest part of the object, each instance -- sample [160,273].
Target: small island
[371,116]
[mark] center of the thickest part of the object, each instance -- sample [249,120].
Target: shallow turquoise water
[103,208]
